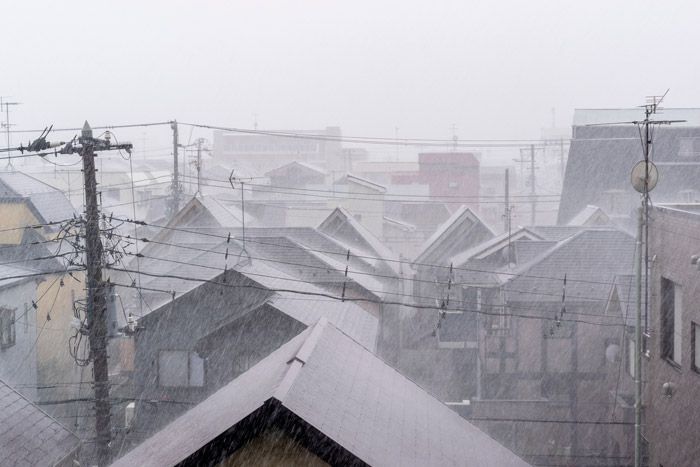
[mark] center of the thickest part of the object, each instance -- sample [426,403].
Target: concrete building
[268,150]
[672,387]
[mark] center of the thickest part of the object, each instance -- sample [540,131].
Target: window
[671,320]
[180,368]
[7,328]
[695,345]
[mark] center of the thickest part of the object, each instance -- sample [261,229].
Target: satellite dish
[639,172]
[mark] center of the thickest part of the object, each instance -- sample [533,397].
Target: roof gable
[304,166]
[461,231]
[341,225]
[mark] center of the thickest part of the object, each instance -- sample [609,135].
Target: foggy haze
[360,233]
[494,69]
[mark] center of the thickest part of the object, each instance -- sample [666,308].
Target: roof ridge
[299,360]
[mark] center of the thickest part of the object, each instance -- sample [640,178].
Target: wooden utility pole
[506,213]
[96,287]
[199,166]
[96,298]
[174,201]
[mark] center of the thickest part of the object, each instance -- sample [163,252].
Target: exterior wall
[670,420]
[18,364]
[13,215]
[274,449]
[55,365]
[452,177]
[266,152]
[220,329]
[529,374]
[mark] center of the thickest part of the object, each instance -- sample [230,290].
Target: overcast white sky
[495,69]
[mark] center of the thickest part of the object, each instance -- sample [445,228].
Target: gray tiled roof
[29,436]
[348,394]
[590,260]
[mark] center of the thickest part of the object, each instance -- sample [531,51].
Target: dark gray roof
[50,203]
[29,436]
[345,392]
[590,259]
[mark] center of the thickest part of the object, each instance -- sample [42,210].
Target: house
[30,437]
[672,388]
[322,398]
[25,201]
[601,158]
[544,336]
[296,175]
[462,231]
[33,216]
[220,307]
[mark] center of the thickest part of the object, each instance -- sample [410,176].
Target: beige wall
[273,448]
[13,215]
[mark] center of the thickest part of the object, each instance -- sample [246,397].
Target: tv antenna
[7,126]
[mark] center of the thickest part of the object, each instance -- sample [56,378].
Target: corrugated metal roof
[29,436]
[349,395]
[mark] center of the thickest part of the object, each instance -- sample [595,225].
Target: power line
[333,297]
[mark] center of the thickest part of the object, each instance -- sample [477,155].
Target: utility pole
[533,196]
[199,166]
[562,167]
[174,201]
[96,299]
[96,287]
[649,182]
[506,217]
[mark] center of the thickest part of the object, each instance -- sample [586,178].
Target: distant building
[268,150]
[601,158]
[453,178]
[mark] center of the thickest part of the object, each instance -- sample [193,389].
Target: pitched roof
[340,219]
[360,181]
[590,260]
[590,215]
[304,165]
[463,230]
[28,435]
[50,203]
[496,243]
[345,396]
[204,266]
